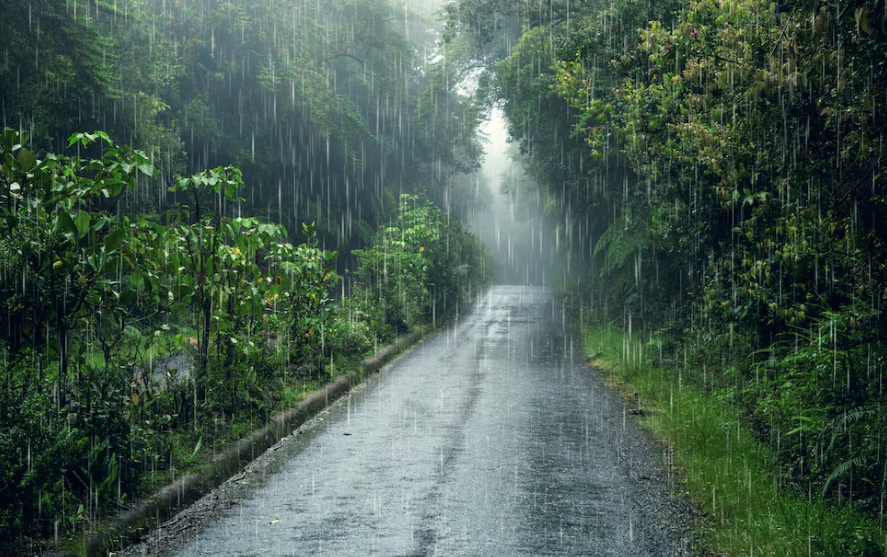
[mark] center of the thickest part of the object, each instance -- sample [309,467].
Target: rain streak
[443,277]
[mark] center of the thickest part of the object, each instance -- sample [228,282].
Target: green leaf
[81,221]
[97,262]
[197,448]
[9,138]
[181,291]
[115,239]
[99,223]
[132,332]
[26,160]
[67,223]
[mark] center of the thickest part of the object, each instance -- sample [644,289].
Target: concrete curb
[118,532]
[378,360]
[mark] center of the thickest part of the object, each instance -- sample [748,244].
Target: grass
[729,474]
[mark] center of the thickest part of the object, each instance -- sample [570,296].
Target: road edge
[120,531]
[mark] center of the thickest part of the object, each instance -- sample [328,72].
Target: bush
[420,266]
[40,451]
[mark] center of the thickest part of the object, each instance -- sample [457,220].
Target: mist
[521,237]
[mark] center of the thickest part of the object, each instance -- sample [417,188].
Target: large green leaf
[115,239]
[66,223]
[81,221]
[181,291]
[26,160]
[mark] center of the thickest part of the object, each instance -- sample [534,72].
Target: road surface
[491,438]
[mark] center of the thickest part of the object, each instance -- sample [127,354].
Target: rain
[443,277]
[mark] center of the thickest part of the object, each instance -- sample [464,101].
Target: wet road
[491,438]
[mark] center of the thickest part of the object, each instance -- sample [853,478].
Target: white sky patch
[495,132]
[469,85]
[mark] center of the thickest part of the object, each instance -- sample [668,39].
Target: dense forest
[718,167]
[177,181]
[324,105]
[711,172]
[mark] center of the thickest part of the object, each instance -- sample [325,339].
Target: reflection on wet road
[491,438]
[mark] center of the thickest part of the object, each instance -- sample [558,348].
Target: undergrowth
[726,470]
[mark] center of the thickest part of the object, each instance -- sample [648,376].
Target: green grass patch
[725,469]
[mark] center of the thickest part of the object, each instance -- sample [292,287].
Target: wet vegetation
[718,166]
[710,451]
[710,173]
[162,297]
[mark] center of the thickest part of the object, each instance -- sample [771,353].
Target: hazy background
[523,242]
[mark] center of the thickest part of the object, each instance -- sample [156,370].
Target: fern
[836,429]
[620,242]
[841,470]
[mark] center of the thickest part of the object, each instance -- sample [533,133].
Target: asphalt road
[491,438]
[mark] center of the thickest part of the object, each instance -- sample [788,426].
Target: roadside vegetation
[94,299]
[718,167]
[163,291]
[712,454]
